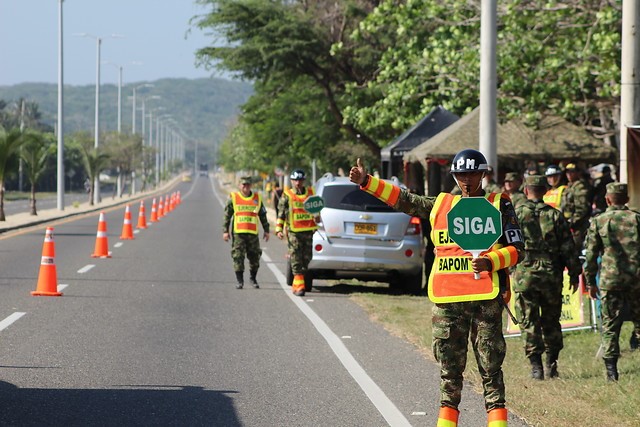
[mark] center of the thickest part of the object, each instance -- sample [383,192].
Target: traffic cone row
[47,277]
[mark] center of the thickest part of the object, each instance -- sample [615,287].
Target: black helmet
[553,170]
[469,161]
[297,174]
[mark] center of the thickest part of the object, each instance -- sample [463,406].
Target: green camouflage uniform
[244,244]
[615,235]
[576,207]
[300,244]
[517,198]
[538,279]
[455,324]
[492,187]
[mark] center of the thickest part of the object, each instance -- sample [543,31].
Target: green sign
[474,224]
[314,204]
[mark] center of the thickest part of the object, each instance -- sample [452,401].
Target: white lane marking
[137,230]
[375,394]
[117,245]
[86,268]
[215,192]
[11,319]
[61,287]
[419,413]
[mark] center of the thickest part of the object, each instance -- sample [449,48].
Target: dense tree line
[335,79]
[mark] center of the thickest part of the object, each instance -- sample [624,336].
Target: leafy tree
[36,151]
[125,154]
[10,142]
[285,42]
[558,57]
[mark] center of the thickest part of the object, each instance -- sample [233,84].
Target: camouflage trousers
[454,325]
[300,250]
[245,244]
[613,304]
[538,308]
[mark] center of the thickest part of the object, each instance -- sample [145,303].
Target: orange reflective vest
[245,212]
[553,197]
[299,218]
[452,278]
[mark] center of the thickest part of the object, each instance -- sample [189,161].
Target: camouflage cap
[246,180]
[617,188]
[536,181]
[512,176]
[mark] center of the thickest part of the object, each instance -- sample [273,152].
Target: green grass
[25,195]
[580,397]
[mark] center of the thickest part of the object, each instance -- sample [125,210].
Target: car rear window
[350,197]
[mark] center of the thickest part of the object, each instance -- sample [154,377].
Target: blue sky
[155,44]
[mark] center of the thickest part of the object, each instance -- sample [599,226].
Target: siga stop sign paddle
[474,224]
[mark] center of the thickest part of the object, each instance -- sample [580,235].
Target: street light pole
[60,162]
[133,119]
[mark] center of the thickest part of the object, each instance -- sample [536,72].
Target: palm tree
[94,159]
[37,150]
[10,142]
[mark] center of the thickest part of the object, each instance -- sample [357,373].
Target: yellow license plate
[361,228]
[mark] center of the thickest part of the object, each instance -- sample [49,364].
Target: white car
[360,237]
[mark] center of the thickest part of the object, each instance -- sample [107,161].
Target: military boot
[240,279]
[252,279]
[611,366]
[537,372]
[552,365]
[633,342]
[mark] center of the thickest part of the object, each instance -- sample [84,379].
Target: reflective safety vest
[299,218]
[553,197]
[452,278]
[245,212]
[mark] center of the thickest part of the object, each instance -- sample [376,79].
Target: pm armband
[384,191]
[503,257]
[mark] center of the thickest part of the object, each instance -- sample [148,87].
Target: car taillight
[318,247]
[414,227]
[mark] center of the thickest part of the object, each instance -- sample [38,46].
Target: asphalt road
[158,335]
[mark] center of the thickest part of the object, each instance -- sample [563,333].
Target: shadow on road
[126,405]
[344,288]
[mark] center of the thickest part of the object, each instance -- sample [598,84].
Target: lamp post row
[60,122]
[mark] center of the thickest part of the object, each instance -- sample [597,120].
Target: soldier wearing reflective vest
[300,226]
[553,196]
[538,279]
[465,308]
[243,211]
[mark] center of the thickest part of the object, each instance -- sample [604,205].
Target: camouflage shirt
[614,235]
[228,216]
[517,198]
[547,239]
[576,204]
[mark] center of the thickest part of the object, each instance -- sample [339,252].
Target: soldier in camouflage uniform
[614,235]
[512,184]
[242,212]
[576,204]
[464,310]
[538,279]
[489,184]
[300,226]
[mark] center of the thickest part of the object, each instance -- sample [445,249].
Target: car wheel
[413,284]
[289,274]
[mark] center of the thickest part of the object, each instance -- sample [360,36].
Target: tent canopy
[555,138]
[430,125]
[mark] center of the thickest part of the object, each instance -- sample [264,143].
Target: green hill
[203,108]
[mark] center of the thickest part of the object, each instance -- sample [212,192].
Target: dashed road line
[86,268]
[11,319]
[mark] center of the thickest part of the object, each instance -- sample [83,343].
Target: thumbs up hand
[357,174]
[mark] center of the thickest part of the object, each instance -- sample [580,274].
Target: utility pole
[488,82]
[630,98]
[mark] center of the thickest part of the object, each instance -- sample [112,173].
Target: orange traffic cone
[166,205]
[160,208]
[142,218]
[127,228]
[48,278]
[154,212]
[178,198]
[102,245]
